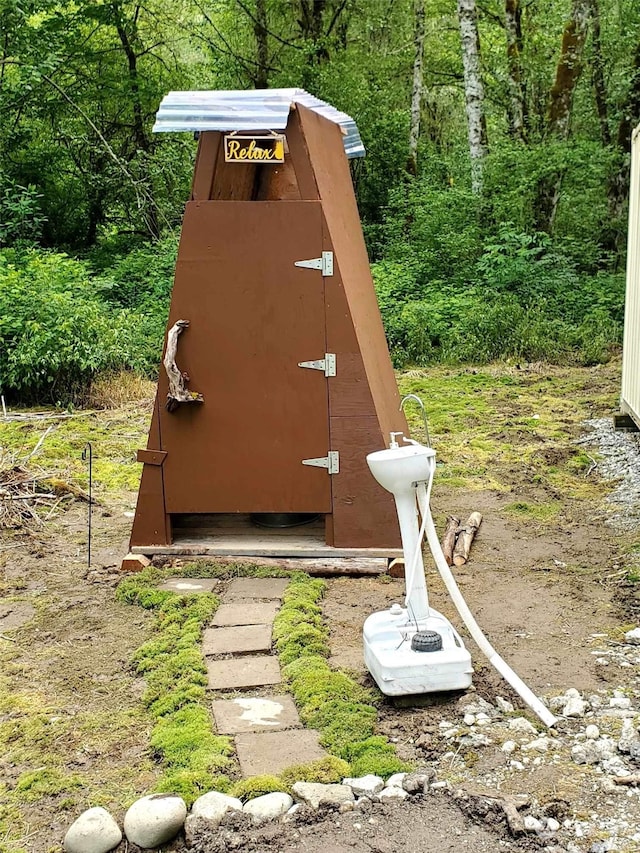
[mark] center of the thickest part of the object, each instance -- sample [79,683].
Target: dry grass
[115,390]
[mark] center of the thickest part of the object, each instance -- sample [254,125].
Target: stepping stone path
[267,731]
[245,611]
[189,585]
[233,674]
[237,716]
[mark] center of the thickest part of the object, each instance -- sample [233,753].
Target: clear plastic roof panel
[253,109]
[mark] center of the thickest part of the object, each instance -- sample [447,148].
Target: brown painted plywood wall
[333,179]
[363,398]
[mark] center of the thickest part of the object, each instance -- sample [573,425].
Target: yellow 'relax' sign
[254,149]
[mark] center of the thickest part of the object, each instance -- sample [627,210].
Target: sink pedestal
[417,601]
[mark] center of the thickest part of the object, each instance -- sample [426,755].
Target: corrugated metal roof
[254,109]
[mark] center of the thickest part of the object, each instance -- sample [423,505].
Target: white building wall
[630,396]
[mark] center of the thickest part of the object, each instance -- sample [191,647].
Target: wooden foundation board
[259,546]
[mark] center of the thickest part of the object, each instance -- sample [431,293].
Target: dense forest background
[493,195]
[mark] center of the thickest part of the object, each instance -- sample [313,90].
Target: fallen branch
[46,416]
[487,805]
[465,538]
[40,443]
[61,487]
[27,496]
[449,538]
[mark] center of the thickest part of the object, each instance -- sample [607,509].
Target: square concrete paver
[246,671]
[237,638]
[272,752]
[255,714]
[257,588]
[246,611]
[189,585]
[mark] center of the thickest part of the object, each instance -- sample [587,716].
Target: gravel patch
[619,460]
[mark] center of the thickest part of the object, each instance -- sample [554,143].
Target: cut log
[449,538]
[178,392]
[626,780]
[465,538]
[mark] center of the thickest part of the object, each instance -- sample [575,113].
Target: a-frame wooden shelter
[290,358]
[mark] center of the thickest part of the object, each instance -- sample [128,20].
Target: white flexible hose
[474,629]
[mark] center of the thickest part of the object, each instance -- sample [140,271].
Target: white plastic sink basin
[397,468]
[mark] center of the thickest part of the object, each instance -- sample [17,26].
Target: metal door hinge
[330,462]
[325,263]
[328,364]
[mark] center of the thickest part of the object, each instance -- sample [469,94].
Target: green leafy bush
[462,277]
[142,278]
[527,302]
[56,332]
[21,218]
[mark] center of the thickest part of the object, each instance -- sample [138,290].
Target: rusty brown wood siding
[331,170]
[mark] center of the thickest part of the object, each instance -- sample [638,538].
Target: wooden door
[253,316]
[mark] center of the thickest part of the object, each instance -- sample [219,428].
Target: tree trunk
[515,105]
[597,69]
[618,190]
[311,12]
[473,90]
[95,214]
[260,30]
[310,21]
[128,38]
[560,103]
[132,47]
[568,70]
[416,91]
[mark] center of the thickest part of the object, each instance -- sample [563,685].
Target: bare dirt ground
[551,594]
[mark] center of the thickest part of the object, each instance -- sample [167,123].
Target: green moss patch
[495,428]
[46,781]
[535,512]
[44,742]
[257,786]
[328,700]
[115,437]
[324,771]
[194,759]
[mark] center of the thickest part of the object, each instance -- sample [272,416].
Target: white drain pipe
[474,629]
